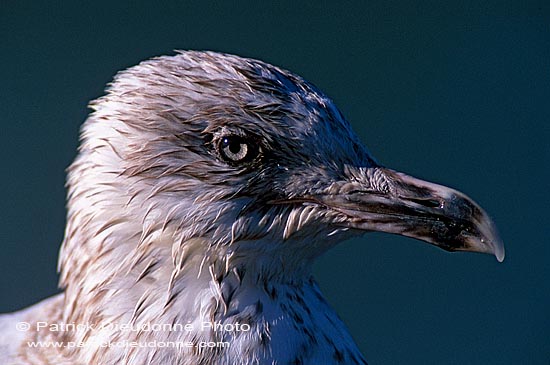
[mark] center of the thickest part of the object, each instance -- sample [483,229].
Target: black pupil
[234,144]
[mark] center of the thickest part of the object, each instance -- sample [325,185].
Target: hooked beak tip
[500,254]
[491,240]
[498,249]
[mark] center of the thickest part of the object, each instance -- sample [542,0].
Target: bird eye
[236,149]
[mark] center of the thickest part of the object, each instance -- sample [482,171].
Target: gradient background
[456,94]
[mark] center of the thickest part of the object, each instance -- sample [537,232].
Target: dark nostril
[428,203]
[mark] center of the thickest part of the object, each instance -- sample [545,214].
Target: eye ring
[236,149]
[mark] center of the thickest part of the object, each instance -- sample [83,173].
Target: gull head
[236,161]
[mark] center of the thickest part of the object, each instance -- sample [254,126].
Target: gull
[204,188]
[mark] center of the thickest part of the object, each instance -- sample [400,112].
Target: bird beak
[384,200]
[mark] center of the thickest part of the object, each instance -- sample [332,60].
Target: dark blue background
[457,94]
